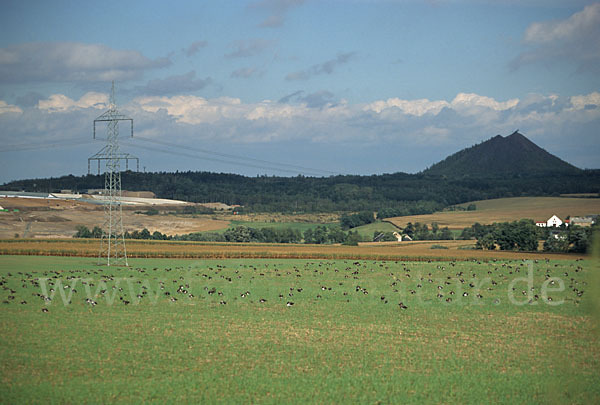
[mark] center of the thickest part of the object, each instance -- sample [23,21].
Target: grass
[300,226]
[367,231]
[507,210]
[332,345]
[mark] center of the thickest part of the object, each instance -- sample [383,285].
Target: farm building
[401,237]
[553,221]
[587,220]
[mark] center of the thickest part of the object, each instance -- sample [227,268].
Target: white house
[552,222]
[401,237]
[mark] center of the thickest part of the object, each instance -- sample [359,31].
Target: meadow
[296,331]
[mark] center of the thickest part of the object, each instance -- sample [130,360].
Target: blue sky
[282,87]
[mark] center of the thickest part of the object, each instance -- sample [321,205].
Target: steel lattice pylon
[112,244]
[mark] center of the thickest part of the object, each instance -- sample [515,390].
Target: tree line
[244,234]
[524,235]
[397,194]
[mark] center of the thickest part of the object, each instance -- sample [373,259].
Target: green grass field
[367,231]
[300,226]
[345,339]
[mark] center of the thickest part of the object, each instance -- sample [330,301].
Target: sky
[290,87]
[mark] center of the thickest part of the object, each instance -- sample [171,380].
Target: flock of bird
[267,282]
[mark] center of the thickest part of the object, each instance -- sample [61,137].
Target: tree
[556,243]
[156,235]
[518,235]
[578,240]
[486,242]
[446,234]
[82,232]
[238,234]
[97,232]
[145,234]
[352,239]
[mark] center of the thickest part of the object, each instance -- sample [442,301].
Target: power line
[178,153]
[46,145]
[211,152]
[236,160]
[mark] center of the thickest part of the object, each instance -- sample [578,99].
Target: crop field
[507,210]
[416,251]
[297,331]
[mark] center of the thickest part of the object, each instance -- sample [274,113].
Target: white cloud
[575,39]
[417,108]
[274,111]
[8,108]
[465,103]
[191,109]
[72,62]
[586,101]
[62,103]
[470,102]
[573,28]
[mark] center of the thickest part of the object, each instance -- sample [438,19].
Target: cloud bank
[320,118]
[315,130]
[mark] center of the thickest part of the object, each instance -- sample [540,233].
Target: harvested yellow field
[506,210]
[418,250]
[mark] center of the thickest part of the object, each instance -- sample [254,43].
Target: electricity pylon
[112,244]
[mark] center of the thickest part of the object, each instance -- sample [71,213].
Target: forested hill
[514,154]
[400,193]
